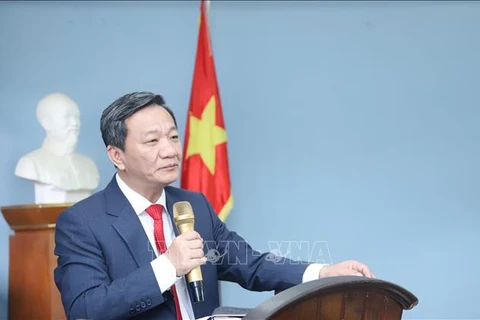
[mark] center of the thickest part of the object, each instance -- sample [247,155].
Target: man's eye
[174,137]
[152,141]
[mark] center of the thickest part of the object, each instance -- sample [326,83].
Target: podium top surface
[33,216]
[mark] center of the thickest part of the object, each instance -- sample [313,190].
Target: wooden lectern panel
[337,298]
[32,293]
[348,306]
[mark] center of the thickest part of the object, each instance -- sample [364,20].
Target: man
[111,263]
[60,174]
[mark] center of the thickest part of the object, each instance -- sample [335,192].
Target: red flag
[205,162]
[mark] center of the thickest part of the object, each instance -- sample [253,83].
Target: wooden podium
[32,293]
[335,298]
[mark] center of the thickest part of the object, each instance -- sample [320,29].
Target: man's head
[60,117]
[140,133]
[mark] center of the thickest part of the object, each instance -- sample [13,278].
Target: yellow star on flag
[205,135]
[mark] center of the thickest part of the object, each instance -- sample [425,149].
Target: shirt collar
[138,202]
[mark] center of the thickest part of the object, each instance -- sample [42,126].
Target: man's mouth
[169,166]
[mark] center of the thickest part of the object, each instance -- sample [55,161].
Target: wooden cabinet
[32,293]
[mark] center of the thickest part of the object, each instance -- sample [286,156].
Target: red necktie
[155,211]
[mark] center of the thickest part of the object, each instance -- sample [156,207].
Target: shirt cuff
[165,272]
[312,272]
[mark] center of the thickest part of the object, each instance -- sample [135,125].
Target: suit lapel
[128,225]
[171,199]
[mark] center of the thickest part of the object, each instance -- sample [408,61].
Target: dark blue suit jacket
[104,257]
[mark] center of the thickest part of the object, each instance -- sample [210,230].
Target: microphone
[185,220]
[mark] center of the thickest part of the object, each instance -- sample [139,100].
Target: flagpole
[206,6]
[207,20]
[207,9]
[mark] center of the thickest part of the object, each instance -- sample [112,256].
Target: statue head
[60,117]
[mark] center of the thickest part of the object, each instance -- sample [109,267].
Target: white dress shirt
[163,269]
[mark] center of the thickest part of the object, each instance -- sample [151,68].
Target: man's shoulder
[89,206]
[197,200]
[183,193]
[93,199]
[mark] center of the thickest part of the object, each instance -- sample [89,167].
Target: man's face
[153,152]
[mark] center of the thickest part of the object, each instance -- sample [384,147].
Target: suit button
[149,302]
[138,307]
[143,304]
[132,310]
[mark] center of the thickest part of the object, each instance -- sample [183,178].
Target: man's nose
[167,150]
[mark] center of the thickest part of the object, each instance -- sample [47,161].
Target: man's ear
[116,156]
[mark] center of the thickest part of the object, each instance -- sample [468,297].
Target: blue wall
[351,123]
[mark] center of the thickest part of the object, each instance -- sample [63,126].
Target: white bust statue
[60,174]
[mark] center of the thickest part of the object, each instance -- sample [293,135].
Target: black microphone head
[197,291]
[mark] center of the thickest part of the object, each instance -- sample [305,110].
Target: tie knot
[155,211]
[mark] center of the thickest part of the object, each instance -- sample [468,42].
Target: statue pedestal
[46,194]
[32,293]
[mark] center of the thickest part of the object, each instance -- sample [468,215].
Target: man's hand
[346,268]
[186,252]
